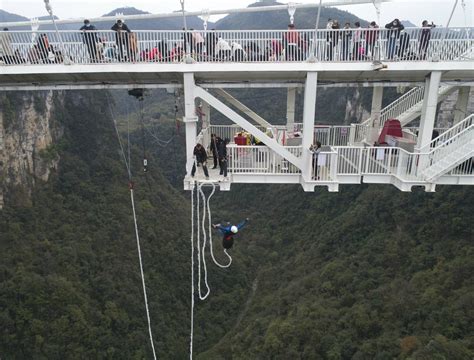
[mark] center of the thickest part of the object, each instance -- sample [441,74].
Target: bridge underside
[17,77]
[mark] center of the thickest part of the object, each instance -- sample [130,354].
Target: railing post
[375,112]
[290,108]
[334,162]
[308,122]
[190,119]
[428,113]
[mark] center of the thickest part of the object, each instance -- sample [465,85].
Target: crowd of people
[349,43]
[357,43]
[218,148]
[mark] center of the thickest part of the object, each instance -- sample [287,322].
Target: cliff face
[355,111]
[446,109]
[28,142]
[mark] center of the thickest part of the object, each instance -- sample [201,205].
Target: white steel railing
[449,153]
[324,166]
[346,161]
[230,131]
[146,46]
[449,134]
[254,159]
[349,160]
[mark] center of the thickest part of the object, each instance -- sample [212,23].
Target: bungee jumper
[228,231]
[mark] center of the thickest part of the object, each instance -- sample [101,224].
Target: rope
[192,275]
[210,233]
[201,254]
[127,165]
[142,274]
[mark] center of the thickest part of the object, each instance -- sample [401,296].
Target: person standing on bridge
[200,158]
[89,37]
[6,50]
[122,39]
[425,37]
[394,27]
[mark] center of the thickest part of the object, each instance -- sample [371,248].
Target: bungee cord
[137,236]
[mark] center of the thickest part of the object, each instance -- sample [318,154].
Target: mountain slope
[366,273]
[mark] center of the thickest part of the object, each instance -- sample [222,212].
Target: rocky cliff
[29,138]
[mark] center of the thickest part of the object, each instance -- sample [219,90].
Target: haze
[414,11]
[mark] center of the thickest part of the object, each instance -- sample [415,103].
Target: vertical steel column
[373,133]
[460,109]
[206,123]
[309,111]
[190,119]
[290,109]
[428,112]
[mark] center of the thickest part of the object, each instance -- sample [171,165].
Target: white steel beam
[375,111]
[91,86]
[206,122]
[460,109]
[190,119]
[250,113]
[428,112]
[244,124]
[309,112]
[290,108]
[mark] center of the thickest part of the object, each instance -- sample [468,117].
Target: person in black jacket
[201,158]
[215,141]
[122,39]
[425,38]
[394,28]
[211,41]
[222,150]
[89,37]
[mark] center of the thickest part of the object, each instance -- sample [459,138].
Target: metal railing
[351,45]
[449,134]
[253,159]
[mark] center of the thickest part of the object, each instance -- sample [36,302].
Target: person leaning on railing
[211,42]
[89,37]
[425,37]
[292,40]
[371,37]
[315,150]
[42,47]
[357,49]
[121,38]
[6,50]
[346,41]
[394,27]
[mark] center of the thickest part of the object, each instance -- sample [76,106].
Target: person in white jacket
[223,49]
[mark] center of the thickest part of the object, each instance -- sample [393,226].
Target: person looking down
[122,32]
[228,231]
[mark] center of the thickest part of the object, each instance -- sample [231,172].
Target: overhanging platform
[25,77]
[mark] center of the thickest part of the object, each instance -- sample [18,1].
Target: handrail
[448,135]
[453,138]
[155,46]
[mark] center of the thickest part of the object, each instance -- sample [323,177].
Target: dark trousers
[223,167]
[227,242]
[214,155]
[92,49]
[204,167]
[315,168]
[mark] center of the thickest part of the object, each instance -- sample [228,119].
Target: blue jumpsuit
[228,235]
